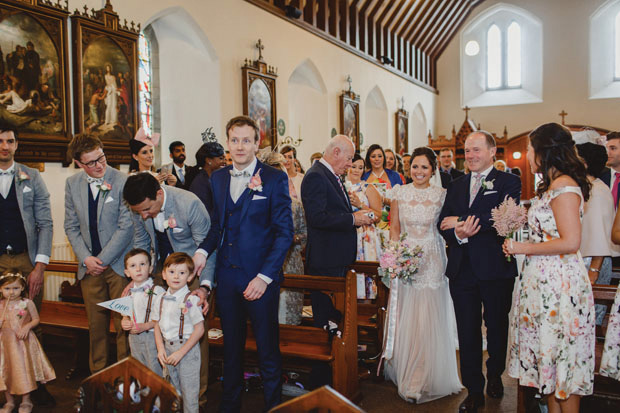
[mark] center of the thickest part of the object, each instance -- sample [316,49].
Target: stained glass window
[145,87]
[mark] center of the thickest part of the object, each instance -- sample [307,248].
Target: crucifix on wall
[350,114]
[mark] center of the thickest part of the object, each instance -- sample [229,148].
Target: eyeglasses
[92,164]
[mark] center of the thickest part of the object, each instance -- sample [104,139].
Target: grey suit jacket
[113,220]
[34,205]
[192,226]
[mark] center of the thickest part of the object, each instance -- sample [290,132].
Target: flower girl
[22,360]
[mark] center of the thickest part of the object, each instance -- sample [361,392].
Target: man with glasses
[100,230]
[25,227]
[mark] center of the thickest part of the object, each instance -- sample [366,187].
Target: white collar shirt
[6,180]
[140,300]
[159,220]
[238,184]
[170,321]
[484,174]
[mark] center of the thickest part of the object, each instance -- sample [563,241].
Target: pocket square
[490,192]
[177,230]
[27,189]
[258,197]
[108,199]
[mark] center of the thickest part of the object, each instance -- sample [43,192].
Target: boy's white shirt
[171,315]
[141,299]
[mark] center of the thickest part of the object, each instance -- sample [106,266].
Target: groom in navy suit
[480,275]
[252,228]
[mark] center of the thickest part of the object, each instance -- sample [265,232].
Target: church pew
[371,313]
[606,396]
[312,343]
[323,399]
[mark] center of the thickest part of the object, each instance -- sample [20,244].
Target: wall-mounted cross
[563,115]
[466,109]
[402,103]
[260,46]
[349,81]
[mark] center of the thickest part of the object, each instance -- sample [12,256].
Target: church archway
[376,116]
[418,129]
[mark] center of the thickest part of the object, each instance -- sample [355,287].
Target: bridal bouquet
[508,218]
[400,260]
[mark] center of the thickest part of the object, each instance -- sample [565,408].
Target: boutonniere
[184,307]
[149,291]
[22,176]
[22,306]
[256,184]
[104,187]
[488,185]
[170,222]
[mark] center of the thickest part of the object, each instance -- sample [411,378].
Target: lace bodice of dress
[540,217]
[418,211]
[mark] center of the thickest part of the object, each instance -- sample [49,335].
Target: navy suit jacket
[332,238]
[266,223]
[484,249]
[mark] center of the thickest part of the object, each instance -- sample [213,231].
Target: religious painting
[259,99]
[34,79]
[401,142]
[105,80]
[350,117]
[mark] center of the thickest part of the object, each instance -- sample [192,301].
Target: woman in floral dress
[610,362]
[553,330]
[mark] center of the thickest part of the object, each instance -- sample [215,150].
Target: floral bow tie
[11,172]
[239,174]
[92,180]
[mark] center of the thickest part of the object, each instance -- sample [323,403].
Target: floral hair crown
[10,274]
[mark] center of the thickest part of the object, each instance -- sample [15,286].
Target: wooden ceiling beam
[411,25]
[433,22]
[440,46]
[432,7]
[398,11]
[410,22]
[409,10]
[440,29]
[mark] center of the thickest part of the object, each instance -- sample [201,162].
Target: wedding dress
[422,359]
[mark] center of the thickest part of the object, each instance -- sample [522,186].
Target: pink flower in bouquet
[387,260]
[508,217]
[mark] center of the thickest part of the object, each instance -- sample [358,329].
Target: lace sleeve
[394,193]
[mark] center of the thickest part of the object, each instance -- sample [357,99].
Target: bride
[420,347]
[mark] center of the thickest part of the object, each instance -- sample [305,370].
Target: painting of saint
[31,87]
[106,87]
[350,121]
[402,137]
[259,109]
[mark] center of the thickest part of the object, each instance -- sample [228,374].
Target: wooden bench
[371,312]
[312,343]
[323,399]
[606,394]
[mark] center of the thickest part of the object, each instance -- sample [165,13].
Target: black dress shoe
[495,387]
[472,403]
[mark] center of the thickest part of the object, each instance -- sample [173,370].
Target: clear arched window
[145,86]
[504,57]
[494,58]
[617,47]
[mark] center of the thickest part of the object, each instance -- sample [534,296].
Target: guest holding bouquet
[364,196]
[552,340]
[419,344]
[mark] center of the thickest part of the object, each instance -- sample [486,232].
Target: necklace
[378,176]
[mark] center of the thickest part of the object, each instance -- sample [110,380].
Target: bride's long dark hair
[556,155]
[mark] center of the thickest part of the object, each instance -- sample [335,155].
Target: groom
[252,228]
[480,276]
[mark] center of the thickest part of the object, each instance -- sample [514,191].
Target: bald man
[332,239]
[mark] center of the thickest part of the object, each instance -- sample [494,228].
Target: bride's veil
[436,178]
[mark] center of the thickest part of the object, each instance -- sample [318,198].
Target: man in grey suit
[167,220]
[98,225]
[25,226]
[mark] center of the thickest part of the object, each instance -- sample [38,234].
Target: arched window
[145,86]
[504,57]
[617,47]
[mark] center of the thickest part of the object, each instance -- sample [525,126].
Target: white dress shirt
[7,180]
[170,321]
[141,299]
[471,186]
[160,219]
[182,170]
[5,187]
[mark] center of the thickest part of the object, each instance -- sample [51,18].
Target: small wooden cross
[349,81]
[402,103]
[563,115]
[259,45]
[466,109]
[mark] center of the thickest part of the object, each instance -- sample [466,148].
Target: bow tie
[239,174]
[92,180]
[170,297]
[138,289]
[11,172]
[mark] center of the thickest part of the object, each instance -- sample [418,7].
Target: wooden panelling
[412,34]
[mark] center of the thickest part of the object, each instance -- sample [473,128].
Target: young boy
[178,328]
[145,295]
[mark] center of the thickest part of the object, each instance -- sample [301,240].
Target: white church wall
[565,28]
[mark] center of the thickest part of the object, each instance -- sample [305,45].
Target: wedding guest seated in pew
[25,227]
[99,228]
